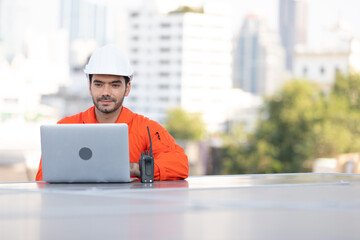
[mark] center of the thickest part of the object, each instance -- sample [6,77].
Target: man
[110,76]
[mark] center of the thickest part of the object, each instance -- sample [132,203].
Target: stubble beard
[105,109]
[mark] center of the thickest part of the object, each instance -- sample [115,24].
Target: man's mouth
[105,101]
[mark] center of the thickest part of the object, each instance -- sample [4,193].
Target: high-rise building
[86,22]
[292,27]
[181,59]
[259,59]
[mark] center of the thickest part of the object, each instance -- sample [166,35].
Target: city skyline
[35,38]
[47,57]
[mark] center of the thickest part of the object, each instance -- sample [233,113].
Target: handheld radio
[146,164]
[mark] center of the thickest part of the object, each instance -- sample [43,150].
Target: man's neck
[107,117]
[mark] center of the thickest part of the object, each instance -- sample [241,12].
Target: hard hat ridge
[109,60]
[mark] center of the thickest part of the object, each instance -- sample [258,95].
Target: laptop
[74,153]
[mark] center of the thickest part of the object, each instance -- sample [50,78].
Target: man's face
[108,92]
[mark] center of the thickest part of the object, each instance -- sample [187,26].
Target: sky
[322,14]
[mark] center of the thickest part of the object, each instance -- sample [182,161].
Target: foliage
[186,9]
[236,136]
[184,126]
[298,124]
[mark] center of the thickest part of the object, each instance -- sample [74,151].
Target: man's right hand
[134,169]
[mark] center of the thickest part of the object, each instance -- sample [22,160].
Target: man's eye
[116,85]
[97,84]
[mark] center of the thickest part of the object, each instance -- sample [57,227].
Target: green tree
[298,124]
[291,116]
[184,126]
[343,114]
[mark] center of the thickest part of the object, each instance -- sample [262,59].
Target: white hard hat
[109,60]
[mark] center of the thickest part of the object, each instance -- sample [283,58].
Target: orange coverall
[171,163]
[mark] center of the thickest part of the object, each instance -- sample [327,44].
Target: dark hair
[127,79]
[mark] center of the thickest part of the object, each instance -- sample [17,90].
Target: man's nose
[106,90]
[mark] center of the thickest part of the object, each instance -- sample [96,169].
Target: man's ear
[128,88]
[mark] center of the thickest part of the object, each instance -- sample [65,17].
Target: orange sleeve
[39,176]
[171,162]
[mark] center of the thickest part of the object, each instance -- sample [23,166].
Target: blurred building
[86,22]
[19,20]
[26,78]
[182,58]
[292,27]
[348,163]
[33,62]
[32,57]
[339,52]
[259,65]
[343,163]
[84,19]
[320,67]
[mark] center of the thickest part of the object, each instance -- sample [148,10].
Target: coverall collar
[124,116]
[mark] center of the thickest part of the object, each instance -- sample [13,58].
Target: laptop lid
[85,153]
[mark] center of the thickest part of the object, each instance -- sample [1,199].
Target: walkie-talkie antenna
[150,149]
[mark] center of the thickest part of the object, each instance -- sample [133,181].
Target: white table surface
[264,206]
